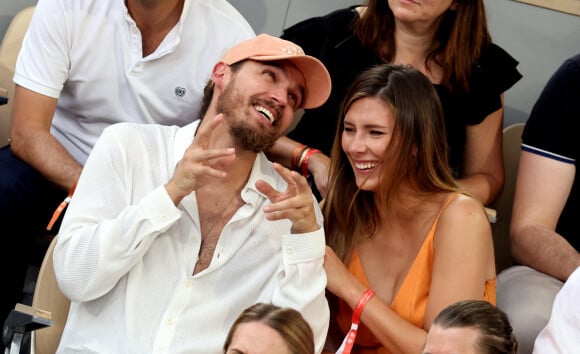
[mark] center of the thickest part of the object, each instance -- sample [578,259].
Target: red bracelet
[304,161]
[360,305]
[348,342]
[297,155]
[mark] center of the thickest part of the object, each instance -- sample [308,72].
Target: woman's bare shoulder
[464,206]
[463,215]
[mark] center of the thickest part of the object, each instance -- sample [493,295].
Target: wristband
[297,156]
[347,344]
[61,207]
[304,161]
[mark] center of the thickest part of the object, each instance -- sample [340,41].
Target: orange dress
[410,301]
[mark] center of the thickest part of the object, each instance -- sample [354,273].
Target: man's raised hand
[194,168]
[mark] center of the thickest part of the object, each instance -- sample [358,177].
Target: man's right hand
[194,168]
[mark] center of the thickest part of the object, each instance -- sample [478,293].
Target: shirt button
[164,217]
[170,322]
[290,250]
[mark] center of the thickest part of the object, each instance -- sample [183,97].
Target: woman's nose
[357,143]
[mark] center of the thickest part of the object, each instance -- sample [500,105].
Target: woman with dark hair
[471,327]
[403,238]
[448,41]
[267,328]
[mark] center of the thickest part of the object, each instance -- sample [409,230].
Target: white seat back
[9,49]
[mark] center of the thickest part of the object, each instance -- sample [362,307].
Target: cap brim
[316,77]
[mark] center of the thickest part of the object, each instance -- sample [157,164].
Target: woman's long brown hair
[462,35]
[351,214]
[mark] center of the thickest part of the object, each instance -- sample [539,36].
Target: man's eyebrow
[280,64]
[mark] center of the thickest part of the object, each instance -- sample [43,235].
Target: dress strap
[450,198]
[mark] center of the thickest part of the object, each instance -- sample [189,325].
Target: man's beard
[231,103]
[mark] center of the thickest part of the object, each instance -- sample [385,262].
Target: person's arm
[463,262]
[394,332]
[317,163]
[302,279]
[31,140]
[483,170]
[464,256]
[111,221]
[542,188]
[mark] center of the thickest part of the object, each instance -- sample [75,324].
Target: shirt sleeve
[303,279]
[493,74]
[552,126]
[104,233]
[43,60]
[562,334]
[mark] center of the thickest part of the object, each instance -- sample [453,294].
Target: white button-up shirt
[125,254]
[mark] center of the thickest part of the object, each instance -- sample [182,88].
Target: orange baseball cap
[269,48]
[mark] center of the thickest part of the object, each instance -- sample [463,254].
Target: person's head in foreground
[269,329]
[471,327]
[267,78]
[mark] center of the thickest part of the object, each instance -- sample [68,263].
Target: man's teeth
[366,165]
[266,113]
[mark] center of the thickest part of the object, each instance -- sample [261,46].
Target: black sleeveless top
[331,39]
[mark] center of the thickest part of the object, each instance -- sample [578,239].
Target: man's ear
[219,74]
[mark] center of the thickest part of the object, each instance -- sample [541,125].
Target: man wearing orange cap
[173,231]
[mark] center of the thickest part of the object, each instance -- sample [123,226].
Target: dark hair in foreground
[287,321]
[495,331]
[417,154]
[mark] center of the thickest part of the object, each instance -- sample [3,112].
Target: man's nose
[280,95]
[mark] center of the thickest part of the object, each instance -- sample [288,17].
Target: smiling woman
[395,219]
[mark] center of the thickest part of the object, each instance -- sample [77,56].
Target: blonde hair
[287,321]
